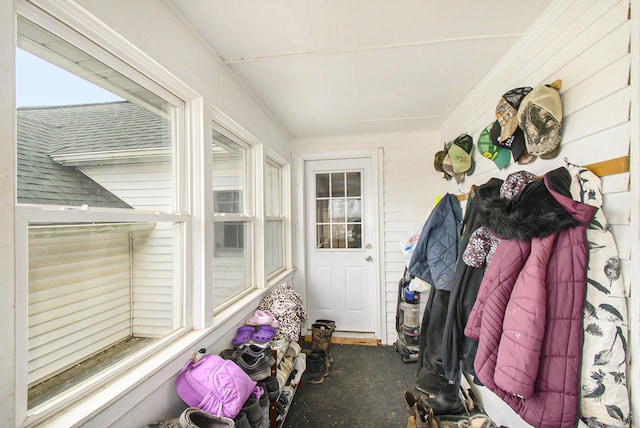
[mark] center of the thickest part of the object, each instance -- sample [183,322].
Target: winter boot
[321,338]
[447,401]
[253,410]
[316,366]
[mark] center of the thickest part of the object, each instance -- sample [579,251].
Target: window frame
[77,27]
[283,212]
[223,125]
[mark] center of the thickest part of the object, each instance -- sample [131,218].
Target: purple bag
[215,385]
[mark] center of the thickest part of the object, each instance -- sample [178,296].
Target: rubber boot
[316,366]
[447,401]
[331,324]
[321,338]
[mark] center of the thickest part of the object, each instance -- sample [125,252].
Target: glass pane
[337,210]
[273,190]
[322,185]
[274,246]
[354,210]
[81,127]
[322,211]
[353,184]
[231,262]
[337,184]
[229,172]
[106,286]
[338,238]
[354,235]
[323,236]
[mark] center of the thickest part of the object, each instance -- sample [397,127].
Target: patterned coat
[604,395]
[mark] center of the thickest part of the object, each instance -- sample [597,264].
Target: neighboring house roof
[112,126]
[44,131]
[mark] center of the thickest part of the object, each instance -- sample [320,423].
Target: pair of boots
[320,359]
[418,416]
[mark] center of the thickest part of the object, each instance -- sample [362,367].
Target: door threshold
[349,338]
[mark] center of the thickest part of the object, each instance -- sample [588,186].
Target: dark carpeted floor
[365,388]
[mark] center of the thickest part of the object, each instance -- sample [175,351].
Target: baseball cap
[515,143]
[438,159]
[501,157]
[461,154]
[507,110]
[540,117]
[448,169]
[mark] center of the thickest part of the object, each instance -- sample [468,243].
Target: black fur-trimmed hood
[533,213]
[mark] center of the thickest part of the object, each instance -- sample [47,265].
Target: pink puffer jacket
[528,321]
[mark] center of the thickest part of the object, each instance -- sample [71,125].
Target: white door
[339,246]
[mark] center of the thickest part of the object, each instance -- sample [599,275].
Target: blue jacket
[436,254]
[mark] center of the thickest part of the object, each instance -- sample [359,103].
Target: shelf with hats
[619,165]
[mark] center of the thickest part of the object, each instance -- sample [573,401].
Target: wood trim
[350,341]
[610,167]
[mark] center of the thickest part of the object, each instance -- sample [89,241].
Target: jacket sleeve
[524,324]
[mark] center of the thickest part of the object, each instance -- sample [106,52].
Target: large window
[233,218]
[274,217]
[99,223]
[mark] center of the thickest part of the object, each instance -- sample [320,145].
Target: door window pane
[322,185]
[337,185]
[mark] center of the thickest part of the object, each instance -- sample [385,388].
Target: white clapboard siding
[79,299]
[147,186]
[586,45]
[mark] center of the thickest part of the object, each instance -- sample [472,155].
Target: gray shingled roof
[43,131]
[112,126]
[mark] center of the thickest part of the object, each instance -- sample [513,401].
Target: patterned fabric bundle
[286,306]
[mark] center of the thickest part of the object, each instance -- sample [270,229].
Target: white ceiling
[326,67]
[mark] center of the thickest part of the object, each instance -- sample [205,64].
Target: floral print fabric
[481,247]
[604,395]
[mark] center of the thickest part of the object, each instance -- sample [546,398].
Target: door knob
[369,258]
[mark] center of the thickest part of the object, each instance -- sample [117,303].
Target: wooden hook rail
[601,169]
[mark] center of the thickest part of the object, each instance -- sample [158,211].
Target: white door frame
[377,204]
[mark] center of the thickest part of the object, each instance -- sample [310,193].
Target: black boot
[447,401]
[316,366]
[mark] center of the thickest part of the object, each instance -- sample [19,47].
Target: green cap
[501,157]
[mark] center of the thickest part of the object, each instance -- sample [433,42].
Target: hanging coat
[434,258]
[458,351]
[604,395]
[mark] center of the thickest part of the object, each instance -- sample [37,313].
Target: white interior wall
[586,44]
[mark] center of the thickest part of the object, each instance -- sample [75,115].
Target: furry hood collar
[533,213]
